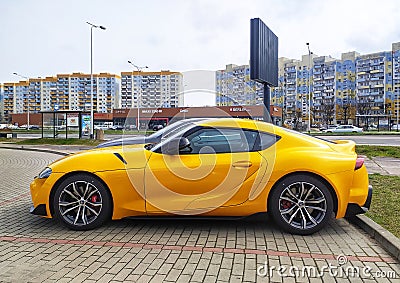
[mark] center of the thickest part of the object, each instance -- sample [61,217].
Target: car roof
[238,123]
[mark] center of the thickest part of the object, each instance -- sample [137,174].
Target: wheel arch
[311,174]
[69,174]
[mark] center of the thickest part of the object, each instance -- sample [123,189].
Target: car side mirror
[175,145]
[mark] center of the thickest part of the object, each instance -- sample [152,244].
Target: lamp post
[91,76]
[139,69]
[397,112]
[309,87]
[28,104]
[284,108]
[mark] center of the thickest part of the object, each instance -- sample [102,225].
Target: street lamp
[309,87]
[27,79]
[139,69]
[397,112]
[91,76]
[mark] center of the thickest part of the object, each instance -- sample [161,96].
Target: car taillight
[359,163]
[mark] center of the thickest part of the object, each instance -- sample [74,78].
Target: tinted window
[266,140]
[222,140]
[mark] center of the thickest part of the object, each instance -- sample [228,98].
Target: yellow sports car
[215,167]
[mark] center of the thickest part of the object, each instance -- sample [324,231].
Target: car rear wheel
[82,202]
[301,204]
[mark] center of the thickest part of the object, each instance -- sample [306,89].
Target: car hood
[104,159]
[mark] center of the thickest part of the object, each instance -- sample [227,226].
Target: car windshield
[173,128]
[174,132]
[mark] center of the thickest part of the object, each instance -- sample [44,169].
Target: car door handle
[242,164]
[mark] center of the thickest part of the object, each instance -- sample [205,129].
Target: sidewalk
[57,149]
[33,249]
[383,165]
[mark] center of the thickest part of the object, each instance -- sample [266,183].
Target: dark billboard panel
[263,53]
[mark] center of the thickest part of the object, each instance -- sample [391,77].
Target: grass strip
[385,204]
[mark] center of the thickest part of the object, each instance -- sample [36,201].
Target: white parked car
[101,127]
[396,127]
[344,129]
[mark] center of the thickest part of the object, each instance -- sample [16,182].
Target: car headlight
[45,173]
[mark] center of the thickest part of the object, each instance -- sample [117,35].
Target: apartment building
[341,90]
[1,103]
[62,92]
[234,87]
[323,85]
[346,98]
[151,89]
[395,91]
[17,99]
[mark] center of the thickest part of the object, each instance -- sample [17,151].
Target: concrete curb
[387,240]
[36,149]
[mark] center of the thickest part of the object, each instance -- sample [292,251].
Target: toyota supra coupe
[224,167]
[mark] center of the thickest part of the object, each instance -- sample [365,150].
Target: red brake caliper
[94,198]
[286,204]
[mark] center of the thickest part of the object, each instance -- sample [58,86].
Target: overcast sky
[46,37]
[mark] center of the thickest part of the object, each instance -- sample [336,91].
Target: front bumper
[354,208]
[39,210]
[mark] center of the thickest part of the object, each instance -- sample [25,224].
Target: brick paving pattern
[33,249]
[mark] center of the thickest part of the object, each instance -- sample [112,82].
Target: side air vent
[120,157]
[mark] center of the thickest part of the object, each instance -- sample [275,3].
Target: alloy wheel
[80,203]
[302,205]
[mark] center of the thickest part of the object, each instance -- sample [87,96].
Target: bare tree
[326,110]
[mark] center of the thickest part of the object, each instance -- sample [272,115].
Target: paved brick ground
[33,249]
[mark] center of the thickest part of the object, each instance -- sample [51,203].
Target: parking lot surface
[33,249]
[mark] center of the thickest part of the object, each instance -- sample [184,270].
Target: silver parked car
[344,129]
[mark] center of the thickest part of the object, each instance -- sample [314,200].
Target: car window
[221,140]
[265,141]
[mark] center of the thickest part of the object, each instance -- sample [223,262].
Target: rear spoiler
[344,146]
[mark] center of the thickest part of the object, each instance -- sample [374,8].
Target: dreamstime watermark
[339,270]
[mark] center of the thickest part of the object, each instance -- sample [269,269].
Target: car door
[218,169]
[342,129]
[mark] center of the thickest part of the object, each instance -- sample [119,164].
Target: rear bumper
[354,208]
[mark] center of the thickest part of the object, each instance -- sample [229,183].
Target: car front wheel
[301,204]
[82,202]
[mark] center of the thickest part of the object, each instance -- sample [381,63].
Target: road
[33,249]
[392,140]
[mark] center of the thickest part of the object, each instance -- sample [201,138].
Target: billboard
[72,121]
[85,125]
[263,53]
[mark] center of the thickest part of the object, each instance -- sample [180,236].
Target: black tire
[300,204]
[82,202]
